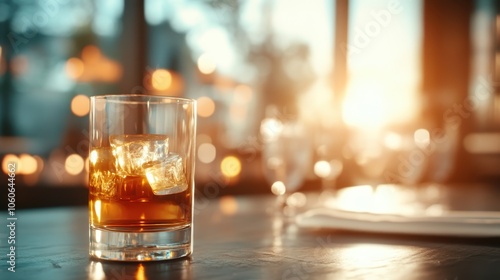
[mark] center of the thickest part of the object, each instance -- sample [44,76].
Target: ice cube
[103,176]
[166,176]
[133,151]
[133,188]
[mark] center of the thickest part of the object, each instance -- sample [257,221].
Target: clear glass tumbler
[286,156]
[141,184]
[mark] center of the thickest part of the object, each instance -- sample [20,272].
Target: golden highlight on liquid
[127,203]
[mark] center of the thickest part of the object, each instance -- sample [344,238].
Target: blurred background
[389,91]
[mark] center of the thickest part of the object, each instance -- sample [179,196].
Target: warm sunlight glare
[365,107]
[364,256]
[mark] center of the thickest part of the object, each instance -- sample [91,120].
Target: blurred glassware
[328,162]
[286,156]
[370,157]
[402,156]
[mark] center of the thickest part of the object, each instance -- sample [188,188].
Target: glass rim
[142,99]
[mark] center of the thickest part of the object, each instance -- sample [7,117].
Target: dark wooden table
[236,238]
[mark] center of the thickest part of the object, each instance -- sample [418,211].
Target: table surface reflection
[238,238]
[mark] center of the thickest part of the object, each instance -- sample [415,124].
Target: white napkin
[399,209]
[460,224]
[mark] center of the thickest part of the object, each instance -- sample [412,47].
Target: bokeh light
[75,68]
[161,79]
[24,164]
[91,53]
[93,66]
[278,188]
[336,167]
[270,129]
[230,166]
[422,138]
[328,169]
[206,64]
[80,105]
[40,163]
[29,164]
[296,199]
[206,152]
[228,205]
[74,164]
[322,169]
[206,106]
[393,141]
[8,159]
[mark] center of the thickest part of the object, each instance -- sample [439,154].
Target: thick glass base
[140,246]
